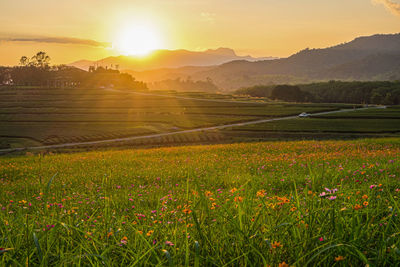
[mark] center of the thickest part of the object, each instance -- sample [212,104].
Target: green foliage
[387,93]
[38,72]
[290,93]
[187,85]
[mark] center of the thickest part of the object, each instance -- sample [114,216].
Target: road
[218,127]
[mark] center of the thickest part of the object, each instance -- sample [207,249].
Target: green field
[303,203]
[352,124]
[43,116]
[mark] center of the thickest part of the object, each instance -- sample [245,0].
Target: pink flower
[169,243]
[332,198]
[321,239]
[372,186]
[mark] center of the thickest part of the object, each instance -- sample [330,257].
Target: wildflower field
[302,203]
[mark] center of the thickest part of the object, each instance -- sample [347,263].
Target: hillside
[365,58]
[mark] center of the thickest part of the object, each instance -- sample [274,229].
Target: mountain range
[374,57]
[168,59]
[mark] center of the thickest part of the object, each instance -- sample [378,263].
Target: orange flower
[208,193]
[339,258]
[233,190]
[283,264]
[357,207]
[109,234]
[365,203]
[364,197]
[261,193]
[149,233]
[276,245]
[238,199]
[187,211]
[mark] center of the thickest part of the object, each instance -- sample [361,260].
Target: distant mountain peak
[164,58]
[222,51]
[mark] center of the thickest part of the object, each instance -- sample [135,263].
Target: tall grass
[298,203]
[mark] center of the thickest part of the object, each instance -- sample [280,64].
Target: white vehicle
[304,115]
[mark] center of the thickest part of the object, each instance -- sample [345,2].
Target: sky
[93,29]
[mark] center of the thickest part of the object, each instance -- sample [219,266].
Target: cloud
[208,17]
[58,40]
[391,5]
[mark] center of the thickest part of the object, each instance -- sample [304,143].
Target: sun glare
[137,40]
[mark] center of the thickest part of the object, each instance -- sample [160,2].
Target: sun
[137,40]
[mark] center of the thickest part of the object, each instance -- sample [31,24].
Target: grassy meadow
[301,203]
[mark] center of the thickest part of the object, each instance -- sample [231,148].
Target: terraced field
[355,123]
[42,116]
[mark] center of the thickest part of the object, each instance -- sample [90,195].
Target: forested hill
[365,58]
[387,93]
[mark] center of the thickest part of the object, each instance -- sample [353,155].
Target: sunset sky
[93,29]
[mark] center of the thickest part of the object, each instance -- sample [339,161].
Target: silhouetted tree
[24,61]
[40,60]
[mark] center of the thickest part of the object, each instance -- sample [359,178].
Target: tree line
[185,85]
[37,71]
[357,92]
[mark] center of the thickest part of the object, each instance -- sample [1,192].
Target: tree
[41,60]
[287,93]
[24,61]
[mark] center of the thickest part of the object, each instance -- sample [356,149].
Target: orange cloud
[58,40]
[392,6]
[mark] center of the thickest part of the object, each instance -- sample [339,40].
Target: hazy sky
[85,29]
